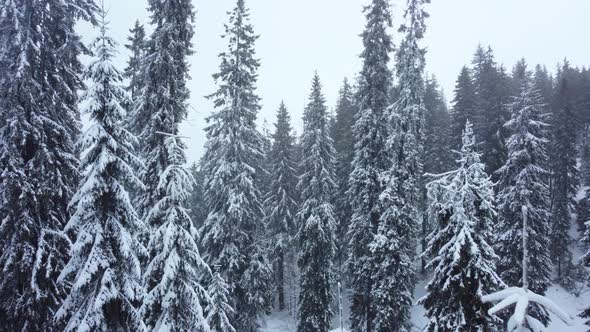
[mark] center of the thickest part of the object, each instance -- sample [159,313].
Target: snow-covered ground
[281,322]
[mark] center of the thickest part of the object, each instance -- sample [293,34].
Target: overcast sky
[300,36]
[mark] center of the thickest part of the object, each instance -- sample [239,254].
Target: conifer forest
[398,207]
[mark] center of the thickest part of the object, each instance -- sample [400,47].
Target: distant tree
[492,88]
[370,160]
[104,268]
[316,216]
[196,200]
[437,154]
[137,48]
[564,171]
[461,202]
[281,202]
[464,107]
[342,134]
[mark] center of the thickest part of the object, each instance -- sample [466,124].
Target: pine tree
[394,244]
[196,201]
[370,159]
[464,106]
[437,154]
[461,203]
[492,87]
[543,82]
[104,266]
[137,48]
[316,216]
[524,181]
[281,204]
[219,309]
[437,146]
[343,137]
[233,156]
[39,79]
[175,297]
[564,171]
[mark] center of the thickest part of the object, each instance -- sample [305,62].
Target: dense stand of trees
[118,234]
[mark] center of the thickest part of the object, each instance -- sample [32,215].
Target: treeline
[106,230]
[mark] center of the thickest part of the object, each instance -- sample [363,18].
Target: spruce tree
[196,201]
[174,298]
[137,48]
[524,181]
[543,82]
[462,206]
[586,262]
[464,106]
[281,204]
[232,158]
[370,160]
[342,134]
[219,310]
[437,155]
[316,216]
[394,244]
[39,121]
[104,266]
[492,92]
[564,171]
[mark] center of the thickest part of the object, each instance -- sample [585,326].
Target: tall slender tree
[137,48]
[394,244]
[564,171]
[175,297]
[492,91]
[316,216]
[281,204]
[462,204]
[233,156]
[104,267]
[39,121]
[343,137]
[370,159]
[524,181]
[464,106]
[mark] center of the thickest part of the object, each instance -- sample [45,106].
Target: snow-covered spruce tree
[137,47]
[343,138]
[461,204]
[161,104]
[281,204]
[394,245]
[175,297]
[316,216]
[219,309]
[39,78]
[233,155]
[524,181]
[370,159]
[564,171]
[464,107]
[104,265]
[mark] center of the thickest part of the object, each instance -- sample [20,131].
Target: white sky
[298,37]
